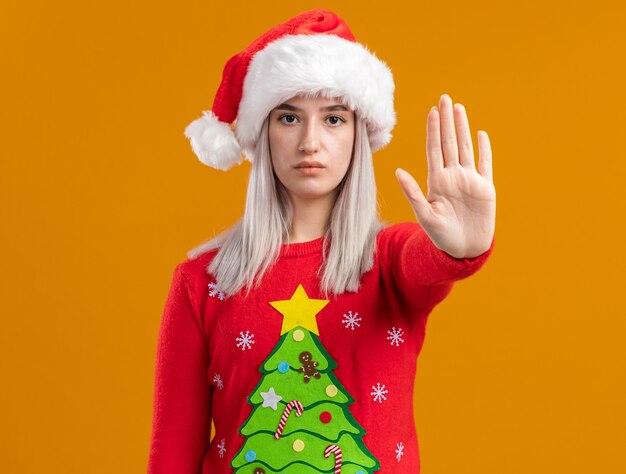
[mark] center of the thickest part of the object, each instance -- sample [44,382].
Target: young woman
[297,331]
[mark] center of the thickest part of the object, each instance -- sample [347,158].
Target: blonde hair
[250,247]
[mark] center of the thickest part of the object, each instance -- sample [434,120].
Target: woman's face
[311,142]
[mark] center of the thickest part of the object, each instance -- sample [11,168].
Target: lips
[310,164]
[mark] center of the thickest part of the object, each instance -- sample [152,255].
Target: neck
[310,217]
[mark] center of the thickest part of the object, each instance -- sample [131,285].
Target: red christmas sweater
[295,383]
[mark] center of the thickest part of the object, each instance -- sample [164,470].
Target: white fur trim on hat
[324,63]
[214,142]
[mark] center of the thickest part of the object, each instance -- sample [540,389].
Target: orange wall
[523,366]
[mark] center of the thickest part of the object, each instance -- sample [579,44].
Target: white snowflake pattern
[399,451]
[217,379]
[351,320]
[395,336]
[222,447]
[214,291]
[245,341]
[379,392]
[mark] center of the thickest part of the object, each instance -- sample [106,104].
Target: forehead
[313,102]
[315,98]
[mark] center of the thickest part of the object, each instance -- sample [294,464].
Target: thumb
[414,194]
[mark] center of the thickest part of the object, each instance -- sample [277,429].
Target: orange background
[523,366]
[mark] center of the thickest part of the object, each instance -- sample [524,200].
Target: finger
[448,135]
[485,166]
[414,194]
[466,151]
[434,153]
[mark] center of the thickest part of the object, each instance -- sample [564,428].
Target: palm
[458,212]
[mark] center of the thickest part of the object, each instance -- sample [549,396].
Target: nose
[310,140]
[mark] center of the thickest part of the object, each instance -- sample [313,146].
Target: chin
[311,194]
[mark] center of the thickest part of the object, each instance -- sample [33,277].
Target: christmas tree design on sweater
[300,423]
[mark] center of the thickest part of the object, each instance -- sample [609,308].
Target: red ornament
[326,417]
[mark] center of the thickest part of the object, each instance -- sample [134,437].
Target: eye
[338,122]
[289,122]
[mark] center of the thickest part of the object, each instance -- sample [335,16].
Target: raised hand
[459,211]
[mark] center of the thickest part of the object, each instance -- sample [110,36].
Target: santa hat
[313,52]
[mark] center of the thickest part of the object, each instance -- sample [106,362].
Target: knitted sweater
[295,383]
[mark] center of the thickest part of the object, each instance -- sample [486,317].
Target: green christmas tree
[300,423]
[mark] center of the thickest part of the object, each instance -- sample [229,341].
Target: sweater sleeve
[181,424]
[416,263]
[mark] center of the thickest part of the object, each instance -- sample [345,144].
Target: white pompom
[214,142]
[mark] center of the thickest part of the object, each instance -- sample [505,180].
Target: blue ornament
[283,367]
[359,472]
[250,456]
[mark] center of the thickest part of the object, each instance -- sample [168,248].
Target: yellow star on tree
[300,310]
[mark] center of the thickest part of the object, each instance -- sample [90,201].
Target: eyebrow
[324,109]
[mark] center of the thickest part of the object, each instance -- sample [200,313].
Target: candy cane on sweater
[283,419]
[333,448]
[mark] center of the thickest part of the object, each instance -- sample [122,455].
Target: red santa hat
[313,52]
